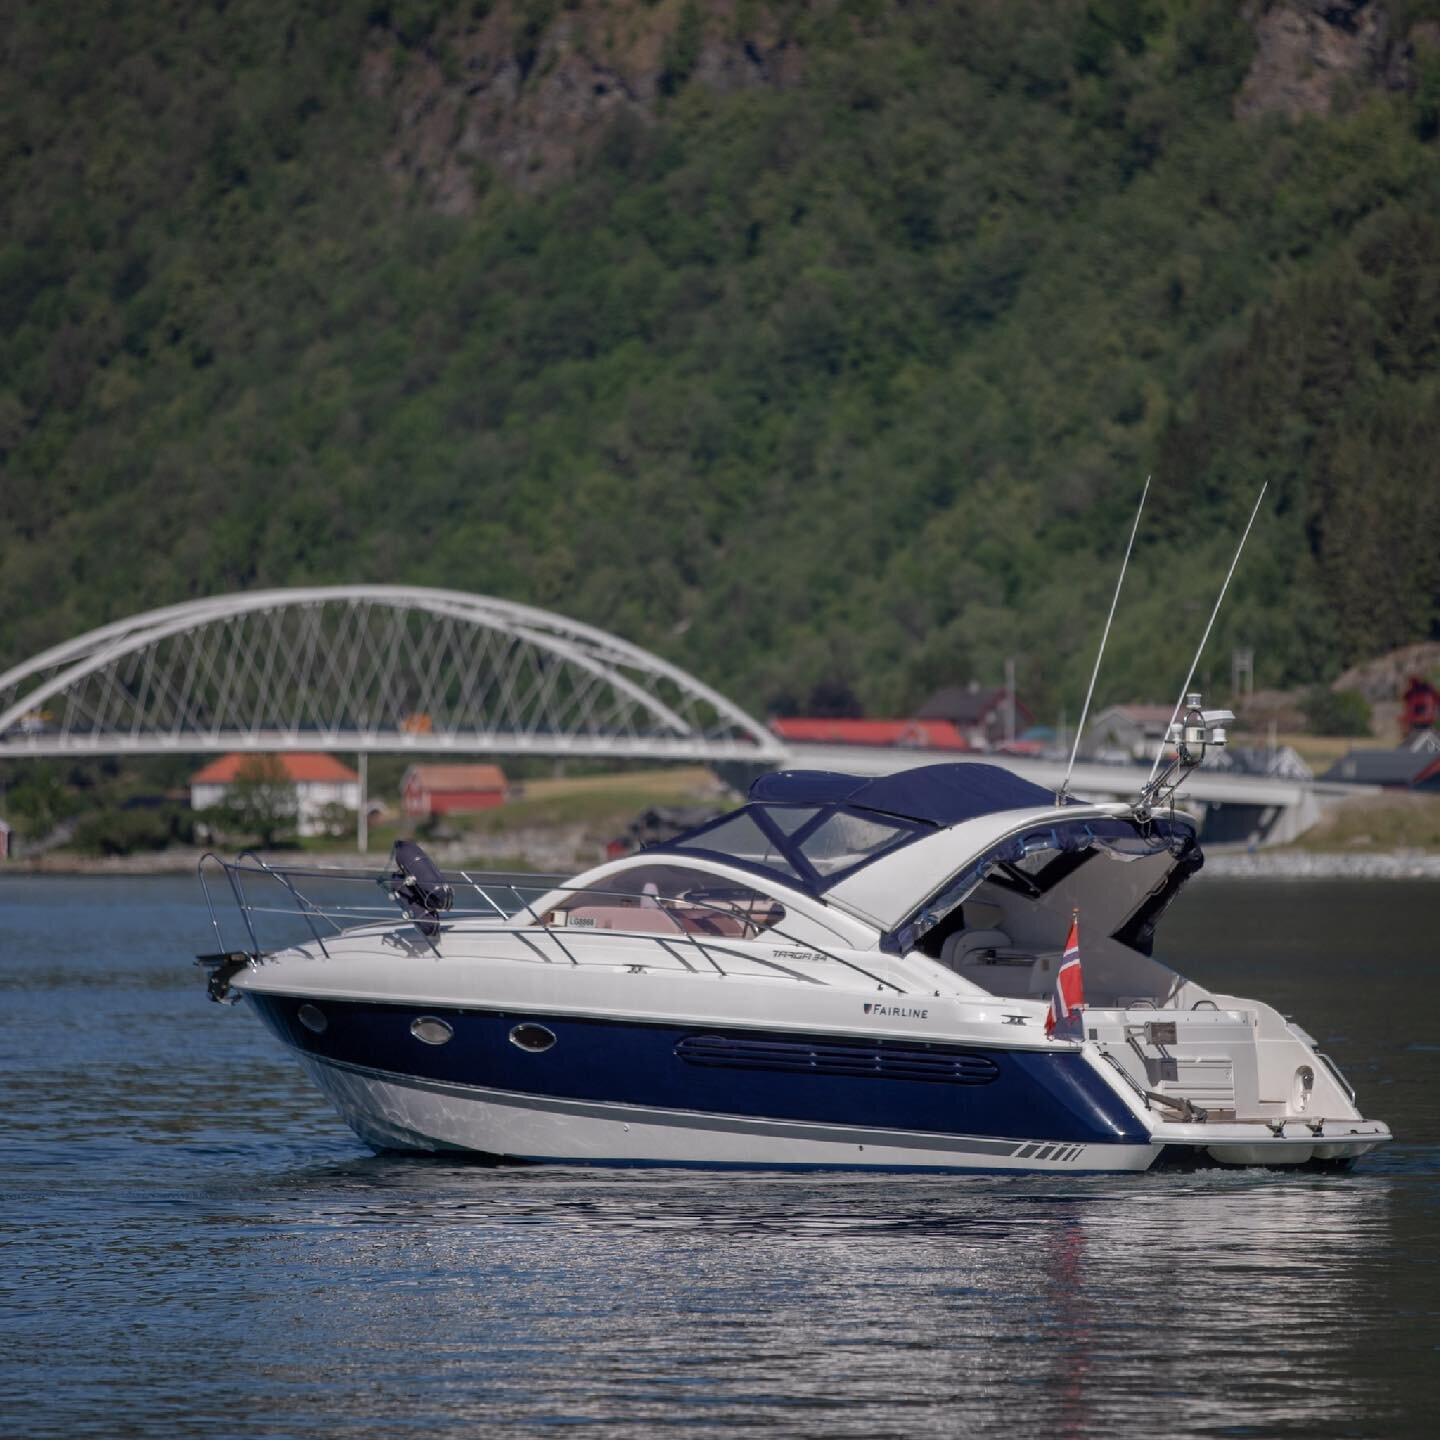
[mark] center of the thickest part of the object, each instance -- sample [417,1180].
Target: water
[194,1246]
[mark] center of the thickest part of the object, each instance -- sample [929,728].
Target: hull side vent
[830,1058]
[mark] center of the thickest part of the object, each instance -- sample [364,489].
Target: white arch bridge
[366,668]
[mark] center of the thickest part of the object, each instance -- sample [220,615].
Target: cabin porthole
[430,1030]
[312,1017]
[534,1038]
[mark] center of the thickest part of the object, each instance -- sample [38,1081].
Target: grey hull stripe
[685,1119]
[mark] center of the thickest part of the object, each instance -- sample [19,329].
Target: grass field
[1399,821]
[598,803]
[563,821]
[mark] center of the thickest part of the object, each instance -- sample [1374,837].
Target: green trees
[113,830]
[846,381]
[260,802]
[39,802]
[1337,712]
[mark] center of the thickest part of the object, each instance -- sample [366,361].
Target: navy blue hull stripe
[695,1120]
[884,1085]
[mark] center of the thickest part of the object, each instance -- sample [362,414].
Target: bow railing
[557,921]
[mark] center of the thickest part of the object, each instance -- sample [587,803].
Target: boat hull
[641,1092]
[393,1112]
[611,1091]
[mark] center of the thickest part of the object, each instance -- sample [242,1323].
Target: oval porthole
[534,1038]
[312,1017]
[430,1030]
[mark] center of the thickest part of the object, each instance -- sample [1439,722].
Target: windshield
[808,846]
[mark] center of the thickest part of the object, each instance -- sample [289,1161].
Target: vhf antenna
[1210,728]
[1100,654]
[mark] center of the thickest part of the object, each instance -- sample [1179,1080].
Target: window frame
[806,877]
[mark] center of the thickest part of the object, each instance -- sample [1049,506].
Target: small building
[1399,768]
[895,734]
[981,715]
[427,790]
[1282,762]
[319,780]
[1126,733]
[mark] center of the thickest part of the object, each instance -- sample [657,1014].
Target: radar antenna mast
[1201,727]
[1100,654]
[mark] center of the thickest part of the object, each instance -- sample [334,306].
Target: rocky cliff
[527,90]
[524,90]
[1311,54]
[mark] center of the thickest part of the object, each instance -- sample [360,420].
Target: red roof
[904,734]
[440,778]
[299,768]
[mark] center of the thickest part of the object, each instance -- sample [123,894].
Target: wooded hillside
[808,344]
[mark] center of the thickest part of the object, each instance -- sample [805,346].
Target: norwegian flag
[1064,1012]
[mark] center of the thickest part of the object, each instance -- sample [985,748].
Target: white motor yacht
[842,972]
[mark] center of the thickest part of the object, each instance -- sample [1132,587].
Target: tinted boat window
[847,839]
[789,818]
[742,838]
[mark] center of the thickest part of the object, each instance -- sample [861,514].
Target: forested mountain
[808,344]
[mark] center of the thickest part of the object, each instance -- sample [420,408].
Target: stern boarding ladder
[1191,1054]
[1225,1060]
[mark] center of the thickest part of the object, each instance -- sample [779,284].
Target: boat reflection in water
[841,973]
[834,1305]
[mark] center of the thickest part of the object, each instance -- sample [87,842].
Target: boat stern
[1318,1144]
[1232,1082]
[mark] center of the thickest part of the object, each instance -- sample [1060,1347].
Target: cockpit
[669,899]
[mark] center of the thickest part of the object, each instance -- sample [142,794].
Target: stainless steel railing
[505,905]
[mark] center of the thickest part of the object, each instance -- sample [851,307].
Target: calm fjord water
[192,1244]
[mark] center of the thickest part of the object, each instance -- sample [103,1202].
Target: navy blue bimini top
[812,828]
[939,794]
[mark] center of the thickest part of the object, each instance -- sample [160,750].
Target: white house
[1126,733]
[319,780]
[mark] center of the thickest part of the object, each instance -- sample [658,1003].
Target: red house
[1421,706]
[981,716]
[451,789]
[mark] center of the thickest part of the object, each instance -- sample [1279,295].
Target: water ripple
[194,1247]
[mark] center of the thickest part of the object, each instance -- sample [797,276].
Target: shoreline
[1276,864]
[1323,865]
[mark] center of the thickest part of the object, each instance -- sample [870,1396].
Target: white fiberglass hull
[432,1055]
[397,1112]
[393,1112]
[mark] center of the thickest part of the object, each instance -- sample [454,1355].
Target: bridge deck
[1109,782]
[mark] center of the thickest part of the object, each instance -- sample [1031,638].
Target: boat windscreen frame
[802,874]
[1076,842]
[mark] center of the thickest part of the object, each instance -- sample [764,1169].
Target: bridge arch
[369,668]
